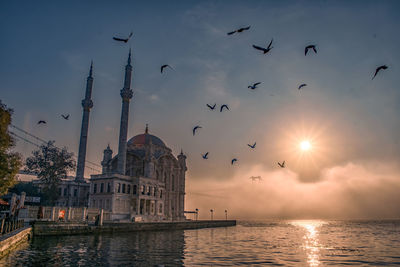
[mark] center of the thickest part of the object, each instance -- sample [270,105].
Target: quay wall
[43,228]
[10,241]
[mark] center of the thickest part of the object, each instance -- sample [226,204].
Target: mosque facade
[144,181]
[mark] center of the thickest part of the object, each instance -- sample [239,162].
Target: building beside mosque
[144,181]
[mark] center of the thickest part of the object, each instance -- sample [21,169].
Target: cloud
[368,190]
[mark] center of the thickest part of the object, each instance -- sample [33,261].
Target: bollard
[101,217]
[84,214]
[53,214]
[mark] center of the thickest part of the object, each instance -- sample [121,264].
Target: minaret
[107,156]
[126,95]
[181,186]
[87,104]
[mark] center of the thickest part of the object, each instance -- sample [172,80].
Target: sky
[352,169]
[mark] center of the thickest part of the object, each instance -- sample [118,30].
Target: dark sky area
[351,121]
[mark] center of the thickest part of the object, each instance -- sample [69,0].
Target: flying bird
[309,47]
[239,30]
[212,107]
[254,86]
[125,40]
[253,178]
[195,128]
[282,165]
[383,67]
[233,161]
[265,50]
[164,66]
[65,117]
[41,122]
[205,156]
[222,107]
[252,146]
[302,85]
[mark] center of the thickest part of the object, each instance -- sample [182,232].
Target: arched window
[173,182]
[157,176]
[165,177]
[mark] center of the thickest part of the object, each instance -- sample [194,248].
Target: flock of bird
[253,86]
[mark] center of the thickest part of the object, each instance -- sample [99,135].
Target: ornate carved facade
[152,188]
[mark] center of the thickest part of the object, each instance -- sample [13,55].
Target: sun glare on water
[305,145]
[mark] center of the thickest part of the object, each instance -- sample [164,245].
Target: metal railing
[7,226]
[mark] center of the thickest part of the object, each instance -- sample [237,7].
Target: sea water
[250,243]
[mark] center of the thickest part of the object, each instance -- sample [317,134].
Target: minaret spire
[87,104]
[126,95]
[147,129]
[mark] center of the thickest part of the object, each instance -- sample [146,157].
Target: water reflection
[131,249]
[310,240]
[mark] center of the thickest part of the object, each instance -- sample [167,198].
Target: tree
[10,162]
[28,187]
[50,164]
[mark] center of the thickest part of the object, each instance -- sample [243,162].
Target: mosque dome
[144,139]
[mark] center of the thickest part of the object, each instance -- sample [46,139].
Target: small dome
[144,139]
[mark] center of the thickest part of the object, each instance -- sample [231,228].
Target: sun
[305,145]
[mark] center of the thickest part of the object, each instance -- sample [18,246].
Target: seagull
[164,66]
[309,47]
[265,50]
[252,146]
[383,67]
[65,117]
[41,122]
[222,107]
[233,161]
[302,85]
[253,178]
[282,165]
[239,30]
[205,156]
[212,107]
[122,39]
[254,86]
[195,128]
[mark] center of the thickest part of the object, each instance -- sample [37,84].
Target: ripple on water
[257,243]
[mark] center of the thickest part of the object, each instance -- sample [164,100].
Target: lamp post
[226,215]
[197,214]
[211,211]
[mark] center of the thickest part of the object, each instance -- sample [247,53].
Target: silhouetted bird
[125,40]
[205,156]
[65,117]
[195,128]
[252,146]
[212,107]
[254,86]
[233,161]
[164,66]
[239,30]
[383,67]
[282,165]
[309,47]
[302,85]
[222,107]
[265,50]
[41,122]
